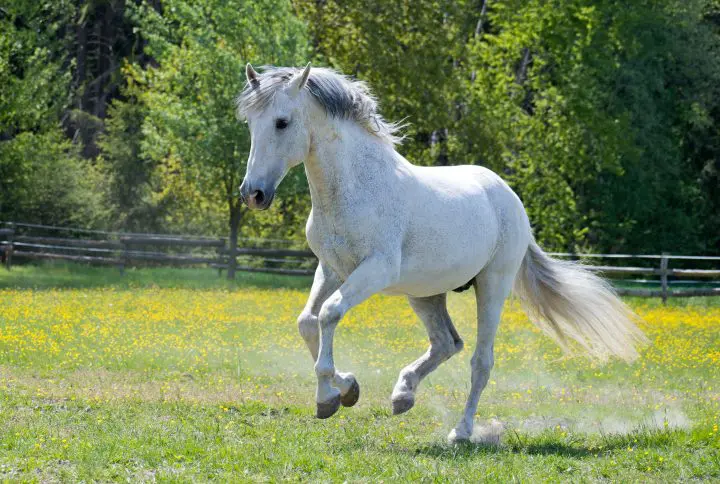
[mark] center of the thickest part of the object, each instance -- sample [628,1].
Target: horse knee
[330,313]
[308,325]
[444,349]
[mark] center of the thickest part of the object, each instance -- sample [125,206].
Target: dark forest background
[603,115]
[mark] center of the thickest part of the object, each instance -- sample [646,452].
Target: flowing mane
[340,97]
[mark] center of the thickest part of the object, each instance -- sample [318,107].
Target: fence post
[220,252]
[10,247]
[664,276]
[232,261]
[124,257]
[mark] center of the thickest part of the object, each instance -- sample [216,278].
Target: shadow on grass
[583,446]
[78,276]
[469,449]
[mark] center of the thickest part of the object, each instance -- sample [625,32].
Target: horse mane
[340,97]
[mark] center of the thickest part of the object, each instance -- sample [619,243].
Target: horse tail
[567,301]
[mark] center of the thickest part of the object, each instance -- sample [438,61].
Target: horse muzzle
[256,197]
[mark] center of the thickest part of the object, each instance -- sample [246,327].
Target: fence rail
[663,273]
[20,241]
[31,241]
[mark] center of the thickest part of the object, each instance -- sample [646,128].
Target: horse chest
[336,244]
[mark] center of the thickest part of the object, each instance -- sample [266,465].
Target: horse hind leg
[491,290]
[444,342]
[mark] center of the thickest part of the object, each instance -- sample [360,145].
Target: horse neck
[345,157]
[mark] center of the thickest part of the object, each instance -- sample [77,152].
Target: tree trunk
[235,218]
[438,141]
[483,12]
[81,56]
[479,30]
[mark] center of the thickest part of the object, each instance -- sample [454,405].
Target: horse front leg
[324,284]
[373,275]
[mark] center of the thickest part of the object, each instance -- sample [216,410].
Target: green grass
[59,275]
[178,375]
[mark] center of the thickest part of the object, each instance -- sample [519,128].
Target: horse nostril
[258,196]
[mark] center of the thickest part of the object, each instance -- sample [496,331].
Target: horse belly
[446,258]
[437,280]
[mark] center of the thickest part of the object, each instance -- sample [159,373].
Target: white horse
[381,224]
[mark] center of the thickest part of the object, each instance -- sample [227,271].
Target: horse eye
[281,123]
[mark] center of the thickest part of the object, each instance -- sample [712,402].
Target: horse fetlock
[352,395]
[459,434]
[403,395]
[409,376]
[408,381]
[324,370]
[343,381]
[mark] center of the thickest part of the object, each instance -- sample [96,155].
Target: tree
[598,106]
[42,176]
[129,174]
[190,129]
[410,53]
[602,115]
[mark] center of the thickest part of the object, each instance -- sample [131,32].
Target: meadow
[178,375]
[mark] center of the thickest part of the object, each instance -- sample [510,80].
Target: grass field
[178,375]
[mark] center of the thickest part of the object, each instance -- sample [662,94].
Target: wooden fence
[23,242]
[662,274]
[20,241]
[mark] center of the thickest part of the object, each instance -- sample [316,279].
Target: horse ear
[252,76]
[299,82]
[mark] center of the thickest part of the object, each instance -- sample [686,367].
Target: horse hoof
[327,409]
[457,437]
[403,404]
[352,395]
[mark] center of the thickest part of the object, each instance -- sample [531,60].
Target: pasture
[178,375]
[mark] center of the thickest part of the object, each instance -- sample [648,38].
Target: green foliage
[603,116]
[34,83]
[190,131]
[407,51]
[663,90]
[43,179]
[42,176]
[129,174]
